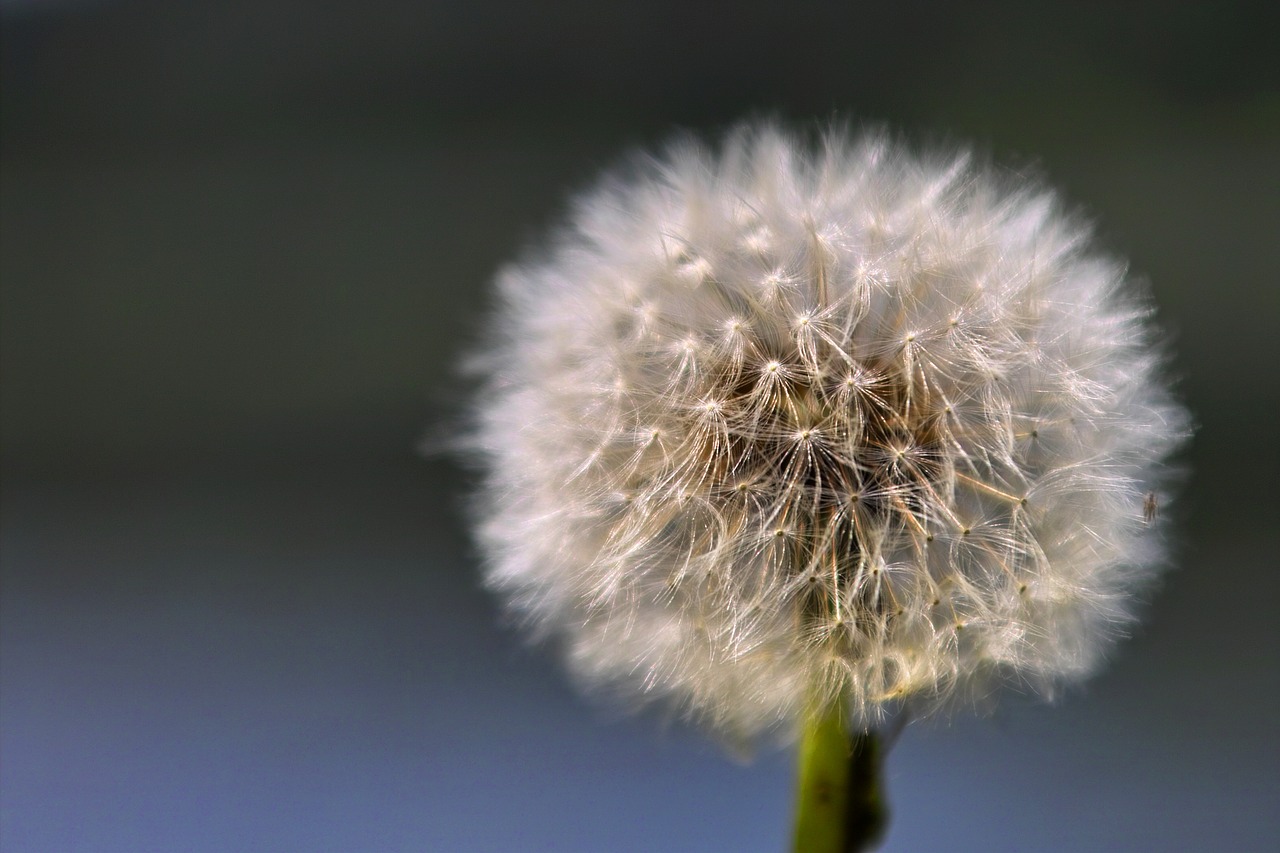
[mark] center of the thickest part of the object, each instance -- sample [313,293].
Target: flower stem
[840,804]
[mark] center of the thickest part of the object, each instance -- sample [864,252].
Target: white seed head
[825,419]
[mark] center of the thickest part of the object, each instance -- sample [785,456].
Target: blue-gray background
[243,244]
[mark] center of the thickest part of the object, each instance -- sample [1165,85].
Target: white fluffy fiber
[802,418]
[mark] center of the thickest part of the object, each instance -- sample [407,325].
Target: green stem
[840,805]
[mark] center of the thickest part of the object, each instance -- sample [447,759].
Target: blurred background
[242,247]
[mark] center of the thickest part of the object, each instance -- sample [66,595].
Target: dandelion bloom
[798,418]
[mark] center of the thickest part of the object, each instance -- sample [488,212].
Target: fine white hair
[796,417]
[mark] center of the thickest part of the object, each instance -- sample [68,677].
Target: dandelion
[821,424]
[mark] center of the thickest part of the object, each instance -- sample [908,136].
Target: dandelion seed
[887,428]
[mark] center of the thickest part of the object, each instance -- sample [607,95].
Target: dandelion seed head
[783,419]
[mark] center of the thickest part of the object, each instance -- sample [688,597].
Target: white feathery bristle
[791,420]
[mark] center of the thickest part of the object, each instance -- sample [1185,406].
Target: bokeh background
[243,245]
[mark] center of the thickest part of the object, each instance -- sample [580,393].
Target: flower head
[831,419]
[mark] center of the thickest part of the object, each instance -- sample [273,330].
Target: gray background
[242,247]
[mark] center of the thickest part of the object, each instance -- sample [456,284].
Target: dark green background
[243,246]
